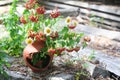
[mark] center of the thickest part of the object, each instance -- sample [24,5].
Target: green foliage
[92,56]
[84,44]
[80,74]
[11,47]
[85,65]
[13,44]
[10,44]
[69,38]
[37,57]
[2,63]
[69,63]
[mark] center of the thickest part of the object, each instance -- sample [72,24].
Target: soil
[58,66]
[19,66]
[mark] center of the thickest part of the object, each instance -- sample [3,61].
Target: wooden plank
[108,62]
[5,2]
[100,14]
[111,24]
[4,9]
[107,9]
[47,7]
[99,32]
[62,6]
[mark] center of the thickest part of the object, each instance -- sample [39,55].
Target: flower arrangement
[36,27]
[45,30]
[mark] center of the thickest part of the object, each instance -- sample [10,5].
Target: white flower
[68,20]
[29,41]
[47,31]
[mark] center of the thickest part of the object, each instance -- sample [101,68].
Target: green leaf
[85,65]
[71,42]
[65,30]
[26,11]
[84,45]
[78,39]
[13,7]
[81,34]
[65,36]
[47,22]
[91,56]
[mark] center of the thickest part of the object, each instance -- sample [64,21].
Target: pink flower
[40,10]
[55,13]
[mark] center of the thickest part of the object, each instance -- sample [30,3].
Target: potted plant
[44,36]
